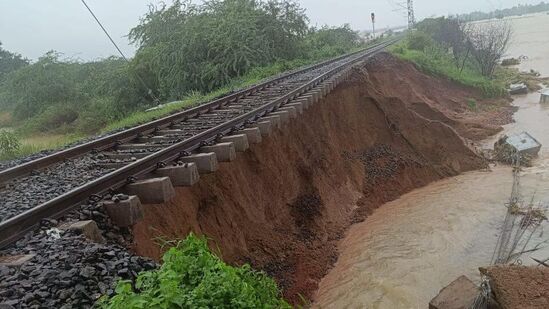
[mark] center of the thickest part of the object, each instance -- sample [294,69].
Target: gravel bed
[27,192]
[68,270]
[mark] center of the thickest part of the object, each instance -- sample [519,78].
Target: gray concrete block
[284,116]
[180,175]
[225,152]
[275,120]
[292,111]
[89,229]
[205,162]
[461,293]
[265,127]
[240,141]
[15,260]
[152,191]
[253,134]
[297,105]
[124,213]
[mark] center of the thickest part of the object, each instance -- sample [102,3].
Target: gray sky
[32,27]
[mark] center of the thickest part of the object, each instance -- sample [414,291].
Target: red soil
[519,286]
[283,204]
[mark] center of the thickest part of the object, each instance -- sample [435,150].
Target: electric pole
[374,25]
[411,18]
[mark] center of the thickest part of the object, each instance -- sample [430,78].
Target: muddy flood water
[408,249]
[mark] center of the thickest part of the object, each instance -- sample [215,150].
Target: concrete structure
[524,143]
[292,111]
[180,175]
[225,152]
[265,127]
[544,98]
[275,120]
[297,105]
[284,116]
[89,229]
[15,260]
[205,162]
[240,141]
[152,191]
[253,134]
[124,213]
[459,294]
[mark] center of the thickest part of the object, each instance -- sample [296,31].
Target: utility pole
[374,25]
[411,17]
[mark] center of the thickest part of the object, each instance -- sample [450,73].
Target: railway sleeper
[124,213]
[181,175]
[275,122]
[283,114]
[205,162]
[153,190]
[240,141]
[224,152]
[292,111]
[253,134]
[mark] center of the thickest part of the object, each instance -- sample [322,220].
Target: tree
[488,43]
[10,62]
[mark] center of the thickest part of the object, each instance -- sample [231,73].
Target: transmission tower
[411,18]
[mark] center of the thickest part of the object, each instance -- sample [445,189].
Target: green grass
[191,276]
[35,143]
[434,62]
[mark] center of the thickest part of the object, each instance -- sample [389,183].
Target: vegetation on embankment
[187,53]
[191,276]
[463,53]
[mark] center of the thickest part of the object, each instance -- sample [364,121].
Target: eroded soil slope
[283,204]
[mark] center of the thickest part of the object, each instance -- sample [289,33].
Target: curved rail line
[17,226]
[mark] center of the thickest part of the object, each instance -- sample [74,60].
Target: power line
[149,90]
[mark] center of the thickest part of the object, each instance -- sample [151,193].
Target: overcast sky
[32,27]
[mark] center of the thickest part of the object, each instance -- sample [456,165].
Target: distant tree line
[520,9]
[181,48]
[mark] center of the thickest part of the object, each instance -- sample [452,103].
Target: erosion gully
[408,249]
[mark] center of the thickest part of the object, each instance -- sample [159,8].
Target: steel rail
[112,140]
[17,226]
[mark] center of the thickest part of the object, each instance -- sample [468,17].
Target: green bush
[9,143]
[193,277]
[54,117]
[418,40]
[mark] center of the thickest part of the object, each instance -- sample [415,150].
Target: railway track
[53,185]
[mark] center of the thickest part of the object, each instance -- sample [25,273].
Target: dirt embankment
[283,204]
[519,286]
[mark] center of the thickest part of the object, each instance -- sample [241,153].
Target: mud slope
[283,204]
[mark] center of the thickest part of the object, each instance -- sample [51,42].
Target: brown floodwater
[408,249]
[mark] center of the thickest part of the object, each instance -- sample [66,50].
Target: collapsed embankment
[283,204]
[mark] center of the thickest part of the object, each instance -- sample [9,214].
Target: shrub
[418,40]
[9,143]
[193,277]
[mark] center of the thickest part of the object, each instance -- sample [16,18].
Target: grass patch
[191,276]
[32,144]
[438,63]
